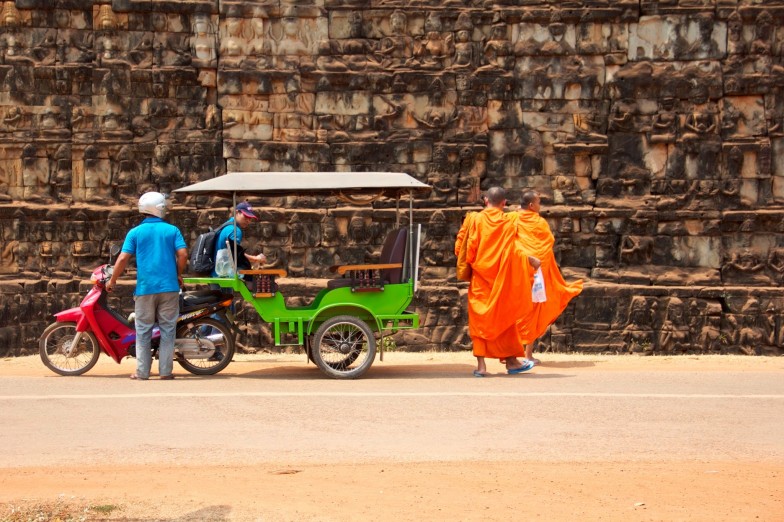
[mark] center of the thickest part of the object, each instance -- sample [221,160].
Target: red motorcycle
[71,345]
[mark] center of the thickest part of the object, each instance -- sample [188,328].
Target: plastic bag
[538,294]
[223,265]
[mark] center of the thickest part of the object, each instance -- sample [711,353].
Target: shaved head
[496,196]
[529,196]
[531,200]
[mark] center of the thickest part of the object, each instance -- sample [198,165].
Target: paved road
[420,407]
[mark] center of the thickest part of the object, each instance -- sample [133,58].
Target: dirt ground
[517,488]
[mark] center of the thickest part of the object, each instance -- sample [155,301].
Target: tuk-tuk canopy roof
[390,184]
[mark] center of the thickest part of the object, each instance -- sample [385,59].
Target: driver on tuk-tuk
[243,215]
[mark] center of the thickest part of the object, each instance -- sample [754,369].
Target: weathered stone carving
[397,48]
[653,130]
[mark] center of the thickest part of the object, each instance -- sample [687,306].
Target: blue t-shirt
[226,234]
[155,244]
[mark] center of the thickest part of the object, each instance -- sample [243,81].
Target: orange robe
[499,294]
[535,239]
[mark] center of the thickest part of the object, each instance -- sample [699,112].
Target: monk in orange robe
[535,239]
[499,294]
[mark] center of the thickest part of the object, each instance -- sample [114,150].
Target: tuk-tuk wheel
[343,347]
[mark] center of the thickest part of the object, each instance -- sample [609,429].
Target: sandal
[520,369]
[135,377]
[167,377]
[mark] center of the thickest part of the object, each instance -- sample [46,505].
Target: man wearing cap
[242,217]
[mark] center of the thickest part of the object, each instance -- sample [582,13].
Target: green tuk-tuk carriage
[338,328]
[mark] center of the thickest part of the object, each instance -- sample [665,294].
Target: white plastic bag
[223,266]
[538,294]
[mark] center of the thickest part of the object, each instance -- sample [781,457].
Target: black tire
[58,355]
[221,337]
[344,347]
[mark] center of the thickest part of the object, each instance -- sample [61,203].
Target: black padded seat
[199,298]
[393,252]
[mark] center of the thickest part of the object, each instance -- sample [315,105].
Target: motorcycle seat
[197,298]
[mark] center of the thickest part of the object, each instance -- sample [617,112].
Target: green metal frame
[381,310]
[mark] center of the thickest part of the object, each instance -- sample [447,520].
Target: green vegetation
[57,511]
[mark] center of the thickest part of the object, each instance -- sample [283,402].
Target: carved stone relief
[653,130]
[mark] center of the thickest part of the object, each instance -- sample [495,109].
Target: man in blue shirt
[161,256]
[242,217]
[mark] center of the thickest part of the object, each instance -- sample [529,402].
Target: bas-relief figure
[397,48]
[700,137]
[355,53]
[172,50]
[15,40]
[674,332]
[331,235]
[259,48]
[751,336]
[14,120]
[35,176]
[203,41]
[6,180]
[439,114]
[442,176]
[498,52]
[435,49]
[203,47]
[703,45]
[463,45]
[600,38]
[744,266]
[293,118]
[113,123]
[470,171]
[638,334]
[97,177]
[44,47]
[131,178]
[589,127]
[762,45]
[233,47]
[557,41]
[294,41]
[62,174]
[672,37]
[736,43]
[50,124]
[775,264]
[436,247]
[665,123]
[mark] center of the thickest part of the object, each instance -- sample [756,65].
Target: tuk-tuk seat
[373,276]
[197,299]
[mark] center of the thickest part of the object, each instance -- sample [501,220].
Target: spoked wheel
[60,354]
[207,333]
[344,347]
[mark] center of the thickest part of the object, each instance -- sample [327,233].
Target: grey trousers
[163,308]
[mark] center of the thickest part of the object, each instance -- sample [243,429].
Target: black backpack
[202,260]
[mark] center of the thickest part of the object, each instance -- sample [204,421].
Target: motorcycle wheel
[58,354]
[221,337]
[344,347]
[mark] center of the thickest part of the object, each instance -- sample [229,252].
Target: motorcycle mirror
[113,251]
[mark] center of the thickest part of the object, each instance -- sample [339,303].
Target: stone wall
[653,130]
